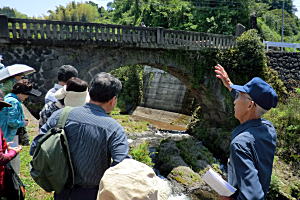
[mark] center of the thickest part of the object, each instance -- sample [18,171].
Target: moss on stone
[185,176]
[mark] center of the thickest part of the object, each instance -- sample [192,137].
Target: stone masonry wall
[287,64]
[164,91]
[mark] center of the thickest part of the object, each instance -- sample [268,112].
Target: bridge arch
[46,45]
[92,60]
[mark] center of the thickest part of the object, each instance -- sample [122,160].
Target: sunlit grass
[130,124]
[33,191]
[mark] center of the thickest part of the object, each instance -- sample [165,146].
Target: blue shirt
[11,118]
[50,94]
[96,141]
[252,150]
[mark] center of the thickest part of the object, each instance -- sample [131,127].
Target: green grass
[129,123]
[33,191]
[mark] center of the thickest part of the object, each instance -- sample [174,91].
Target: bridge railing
[42,30]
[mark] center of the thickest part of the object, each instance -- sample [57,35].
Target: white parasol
[15,70]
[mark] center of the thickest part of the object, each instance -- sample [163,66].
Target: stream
[167,126]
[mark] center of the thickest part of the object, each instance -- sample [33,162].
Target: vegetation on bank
[132,87]
[247,57]
[286,119]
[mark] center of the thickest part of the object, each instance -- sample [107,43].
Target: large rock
[183,162]
[169,157]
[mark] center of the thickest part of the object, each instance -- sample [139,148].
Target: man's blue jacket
[252,150]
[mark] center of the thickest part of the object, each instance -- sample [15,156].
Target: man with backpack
[96,141]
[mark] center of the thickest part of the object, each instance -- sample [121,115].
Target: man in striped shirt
[96,141]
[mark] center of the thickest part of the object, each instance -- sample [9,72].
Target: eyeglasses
[237,94]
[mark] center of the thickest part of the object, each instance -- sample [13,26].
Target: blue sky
[40,7]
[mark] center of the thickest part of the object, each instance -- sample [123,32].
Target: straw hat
[130,180]
[72,98]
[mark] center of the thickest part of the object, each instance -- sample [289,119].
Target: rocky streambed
[180,159]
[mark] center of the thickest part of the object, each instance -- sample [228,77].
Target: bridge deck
[43,31]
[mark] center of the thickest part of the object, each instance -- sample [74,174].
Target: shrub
[131,94]
[141,153]
[286,119]
[266,32]
[274,190]
[295,190]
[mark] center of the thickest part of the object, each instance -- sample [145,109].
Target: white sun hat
[72,98]
[15,70]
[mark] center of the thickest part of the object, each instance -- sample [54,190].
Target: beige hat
[132,180]
[72,98]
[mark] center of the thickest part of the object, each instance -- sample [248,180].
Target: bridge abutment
[4,34]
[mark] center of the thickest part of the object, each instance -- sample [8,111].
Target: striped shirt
[50,94]
[94,140]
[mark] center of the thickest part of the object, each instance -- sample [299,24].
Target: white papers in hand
[216,182]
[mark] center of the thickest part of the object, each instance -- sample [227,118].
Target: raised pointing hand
[222,74]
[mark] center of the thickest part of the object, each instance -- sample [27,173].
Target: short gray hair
[259,111]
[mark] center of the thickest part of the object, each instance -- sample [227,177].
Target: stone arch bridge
[92,48]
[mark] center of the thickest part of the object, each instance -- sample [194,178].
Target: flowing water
[164,124]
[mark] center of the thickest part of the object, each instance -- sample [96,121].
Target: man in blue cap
[253,142]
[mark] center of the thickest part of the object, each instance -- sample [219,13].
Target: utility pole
[282,23]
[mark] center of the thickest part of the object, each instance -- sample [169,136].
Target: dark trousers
[78,193]
[23,136]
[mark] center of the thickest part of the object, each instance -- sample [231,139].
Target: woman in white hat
[74,93]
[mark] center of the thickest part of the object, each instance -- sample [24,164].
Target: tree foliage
[80,12]
[181,15]
[132,87]
[11,12]
[286,119]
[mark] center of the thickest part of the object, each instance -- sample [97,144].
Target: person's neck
[104,106]
[247,117]
[61,83]
[20,97]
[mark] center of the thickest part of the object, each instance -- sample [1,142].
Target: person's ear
[112,100]
[251,104]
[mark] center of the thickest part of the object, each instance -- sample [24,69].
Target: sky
[36,8]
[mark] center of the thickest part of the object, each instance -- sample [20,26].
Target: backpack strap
[63,116]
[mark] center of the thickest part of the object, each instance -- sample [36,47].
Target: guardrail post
[159,36]
[239,29]
[4,35]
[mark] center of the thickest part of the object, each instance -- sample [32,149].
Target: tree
[213,16]
[11,12]
[277,4]
[83,12]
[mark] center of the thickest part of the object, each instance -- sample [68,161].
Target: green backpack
[51,165]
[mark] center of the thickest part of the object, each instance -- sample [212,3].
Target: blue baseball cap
[260,92]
